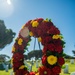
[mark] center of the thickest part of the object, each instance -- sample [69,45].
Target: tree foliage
[6,35]
[3,58]
[73,52]
[35,53]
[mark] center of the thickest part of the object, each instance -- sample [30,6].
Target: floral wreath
[51,39]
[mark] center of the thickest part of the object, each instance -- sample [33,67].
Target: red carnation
[46,40]
[32,73]
[16,65]
[39,20]
[56,70]
[26,72]
[44,49]
[44,71]
[21,72]
[61,61]
[53,30]
[57,42]
[44,58]
[51,47]
[58,48]
[16,46]
[21,47]
[39,32]
[18,57]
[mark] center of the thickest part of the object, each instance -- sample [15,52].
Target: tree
[35,53]
[73,52]
[6,35]
[3,58]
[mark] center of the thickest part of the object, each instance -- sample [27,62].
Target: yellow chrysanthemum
[32,21]
[51,59]
[21,67]
[31,34]
[39,39]
[23,26]
[12,60]
[37,74]
[13,49]
[56,36]
[20,41]
[35,24]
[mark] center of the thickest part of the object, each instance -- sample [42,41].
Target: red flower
[16,46]
[51,47]
[44,71]
[46,40]
[48,47]
[39,32]
[56,70]
[17,57]
[58,48]
[26,72]
[28,23]
[44,58]
[61,61]
[16,65]
[39,20]
[53,30]
[32,73]
[57,42]
[44,49]
[21,72]
[17,72]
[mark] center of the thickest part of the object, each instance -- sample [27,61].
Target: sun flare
[9,2]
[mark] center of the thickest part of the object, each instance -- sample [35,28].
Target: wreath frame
[53,47]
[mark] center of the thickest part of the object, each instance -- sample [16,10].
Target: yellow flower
[39,39]
[32,21]
[13,49]
[31,34]
[51,59]
[37,74]
[57,36]
[12,60]
[23,26]
[20,41]
[35,24]
[21,67]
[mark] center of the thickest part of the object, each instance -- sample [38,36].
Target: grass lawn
[5,73]
[71,69]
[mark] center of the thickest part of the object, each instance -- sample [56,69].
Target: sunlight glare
[9,2]
[6,8]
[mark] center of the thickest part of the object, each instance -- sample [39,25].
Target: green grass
[71,69]
[5,73]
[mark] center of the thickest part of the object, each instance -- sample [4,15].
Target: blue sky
[62,13]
